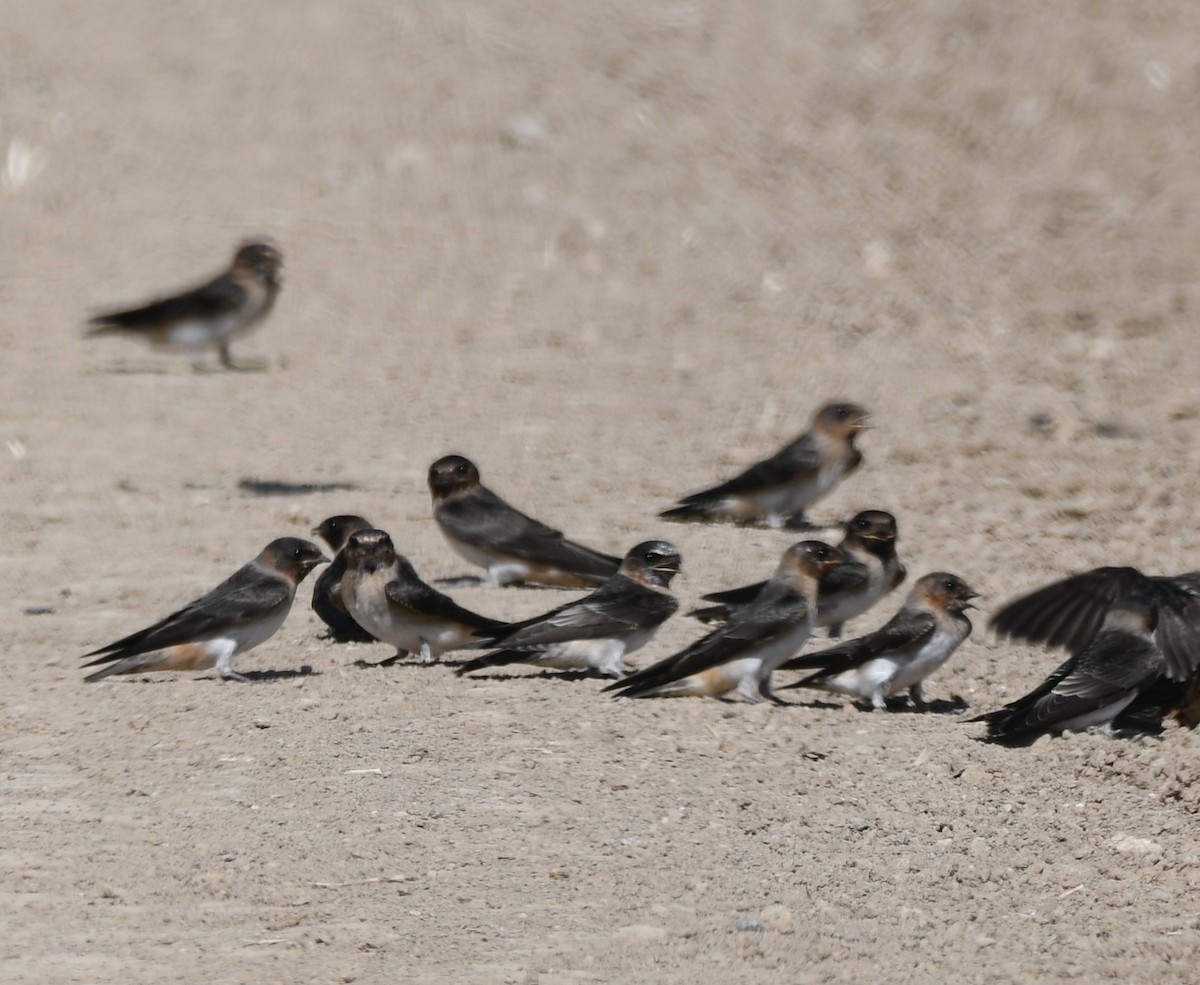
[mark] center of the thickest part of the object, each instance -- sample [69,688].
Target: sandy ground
[611,252]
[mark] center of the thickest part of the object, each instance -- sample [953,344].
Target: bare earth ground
[612,252]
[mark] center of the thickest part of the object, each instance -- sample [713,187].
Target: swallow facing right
[327,592]
[513,547]
[1100,681]
[1071,612]
[208,316]
[909,647]
[869,543]
[778,490]
[244,610]
[742,654]
[597,632]
[386,596]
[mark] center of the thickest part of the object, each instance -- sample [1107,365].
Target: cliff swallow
[778,490]
[1099,682]
[1069,613]
[741,654]
[244,610]
[514,548]
[872,570]
[909,647]
[384,594]
[596,632]
[327,592]
[209,316]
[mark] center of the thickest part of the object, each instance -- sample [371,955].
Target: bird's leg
[918,699]
[766,691]
[426,654]
[501,575]
[233,675]
[227,360]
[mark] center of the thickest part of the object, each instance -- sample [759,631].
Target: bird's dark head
[942,590]
[452,474]
[874,529]
[369,550]
[813,558]
[293,556]
[656,561]
[336,530]
[841,419]
[262,260]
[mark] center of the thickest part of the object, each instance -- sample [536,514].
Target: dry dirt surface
[612,252]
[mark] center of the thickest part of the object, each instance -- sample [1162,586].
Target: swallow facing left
[244,610]
[597,632]
[1101,681]
[386,596]
[742,654]
[778,490]
[327,592]
[870,544]
[513,547]
[208,316]
[914,643]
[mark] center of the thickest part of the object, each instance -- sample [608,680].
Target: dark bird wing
[620,606]
[249,594]
[1113,666]
[412,593]
[903,631]
[796,462]
[1070,612]
[844,577]
[485,519]
[217,298]
[779,609]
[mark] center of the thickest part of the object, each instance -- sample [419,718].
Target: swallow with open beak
[778,490]
[873,569]
[898,657]
[742,654]
[597,632]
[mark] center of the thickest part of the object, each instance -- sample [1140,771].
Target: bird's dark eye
[862,524]
[949,585]
[843,412]
[461,468]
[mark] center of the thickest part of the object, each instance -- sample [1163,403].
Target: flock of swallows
[1134,639]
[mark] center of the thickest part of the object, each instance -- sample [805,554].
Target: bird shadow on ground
[270,676]
[896,706]
[283,487]
[568,676]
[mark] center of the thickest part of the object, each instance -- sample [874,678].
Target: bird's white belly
[915,668]
[1101,716]
[501,570]
[872,678]
[195,333]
